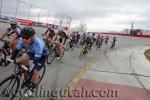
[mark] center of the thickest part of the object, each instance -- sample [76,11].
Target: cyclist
[73,36]
[106,39]
[93,37]
[83,38]
[98,40]
[60,39]
[113,42]
[49,32]
[62,34]
[48,35]
[36,51]
[14,30]
[89,41]
[73,39]
[102,39]
[78,36]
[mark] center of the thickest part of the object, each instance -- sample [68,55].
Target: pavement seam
[135,75]
[132,74]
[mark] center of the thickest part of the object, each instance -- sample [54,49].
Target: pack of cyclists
[37,49]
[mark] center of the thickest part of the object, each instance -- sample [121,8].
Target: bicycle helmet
[13,22]
[27,32]
[60,28]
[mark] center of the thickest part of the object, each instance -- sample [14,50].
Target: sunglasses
[26,38]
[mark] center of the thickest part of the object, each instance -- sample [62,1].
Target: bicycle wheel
[3,58]
[9,87]
[73,45]
[78,44]
[67,46]
[50,57]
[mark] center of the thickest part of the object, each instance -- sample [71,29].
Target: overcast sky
[102,15]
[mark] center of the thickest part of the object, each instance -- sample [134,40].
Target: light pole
[17,8]
[39,15]
[61,20]
[47,17]
[1,8]
[70,23]
[55,19]
[29,11]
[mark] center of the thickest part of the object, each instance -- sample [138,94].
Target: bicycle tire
[13,77]
[67,46]
[3,57]
[50,55]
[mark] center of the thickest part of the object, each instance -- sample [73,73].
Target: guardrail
[121,34]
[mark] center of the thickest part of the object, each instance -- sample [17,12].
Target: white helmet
[60,28]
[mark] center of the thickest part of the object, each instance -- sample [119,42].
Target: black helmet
[52,32]
[27,32]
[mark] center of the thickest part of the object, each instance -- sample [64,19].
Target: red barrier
[121,34]
[24,22]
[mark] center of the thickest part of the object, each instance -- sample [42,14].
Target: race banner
[49,25]
[24,22]
[5,19]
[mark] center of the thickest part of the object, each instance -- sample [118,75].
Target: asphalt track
[59,75]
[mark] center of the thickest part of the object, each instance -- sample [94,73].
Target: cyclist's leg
[25,59]
[57,49]
[14,43]
[35,76]
[36,72]
[114,44]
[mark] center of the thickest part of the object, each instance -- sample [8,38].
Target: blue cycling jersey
[38,47]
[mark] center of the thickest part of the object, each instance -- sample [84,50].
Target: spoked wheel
[73,45]
[78,44]
[3,58]
[67,46]
[9,87]
[50,57]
